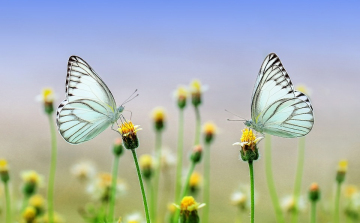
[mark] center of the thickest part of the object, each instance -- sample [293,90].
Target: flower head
[146,165]
[83,171]
[159,116]
[196,90]
[29,214]
[249,141]
[341,171]
[352,203]
[134,218]
[303,89]
[118,147]
[188,210]
[31,182]
[4,171]
[57,218]
[314,192]
[181,95]
[288,204]
[47,97]
[101,187]
[209,131]
[241,198]
[37,201]
[196,154]
[195,181]
[167,159]
[128,133]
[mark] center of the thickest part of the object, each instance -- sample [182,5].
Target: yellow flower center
[187,202]
[343,165]
[3,165]
[195,179]
[31,177]
[247,136]
[196,86]
[209,128]
[36,201]
[29,213]
[127,128]
[48,95]
[302,88]
[158,114]
[105,179]
[181,92]
[146,161]
[133,221]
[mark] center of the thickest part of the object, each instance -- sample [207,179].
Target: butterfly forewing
[276,107]
[89,107]
[83,82]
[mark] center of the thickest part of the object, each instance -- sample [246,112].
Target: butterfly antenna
[241,118]
[131,97]
[235,120]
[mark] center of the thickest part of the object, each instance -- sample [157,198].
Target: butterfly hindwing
[276,107]
[81,120]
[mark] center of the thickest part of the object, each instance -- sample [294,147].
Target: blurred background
[154,46]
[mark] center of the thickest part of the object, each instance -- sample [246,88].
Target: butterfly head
[248,123]
[121,108]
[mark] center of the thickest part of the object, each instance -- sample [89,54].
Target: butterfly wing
[276,106]
[89,107]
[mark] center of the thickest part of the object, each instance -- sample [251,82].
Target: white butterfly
[89,107]
[277,108]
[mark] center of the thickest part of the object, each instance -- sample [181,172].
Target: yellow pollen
[302,88]
[195,179]
[196,85]
[247,136]
[37,201]
[351,190]
[181,92]
[146,161]
[209,128]
[187,202]
[29,213]
[343,165]
[3,165]
[158,114]
[31,176]
[127,128]
[105,179]
[133,221]
[48,94]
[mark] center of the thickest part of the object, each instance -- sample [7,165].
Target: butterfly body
[89,107]
[277,108]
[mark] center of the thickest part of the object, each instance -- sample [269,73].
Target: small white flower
[84,170]
[134,218]
[288,203]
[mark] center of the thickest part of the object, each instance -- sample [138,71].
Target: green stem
[313,212]
[251,168]
[115,168]
[198,126]
[24,203]
[185,190]
[52,170]
[152,199]
[337,203]
[205,217]
[270,181]
[8,202]
[141,186]
[179,155]
[157,172]
[298,178]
